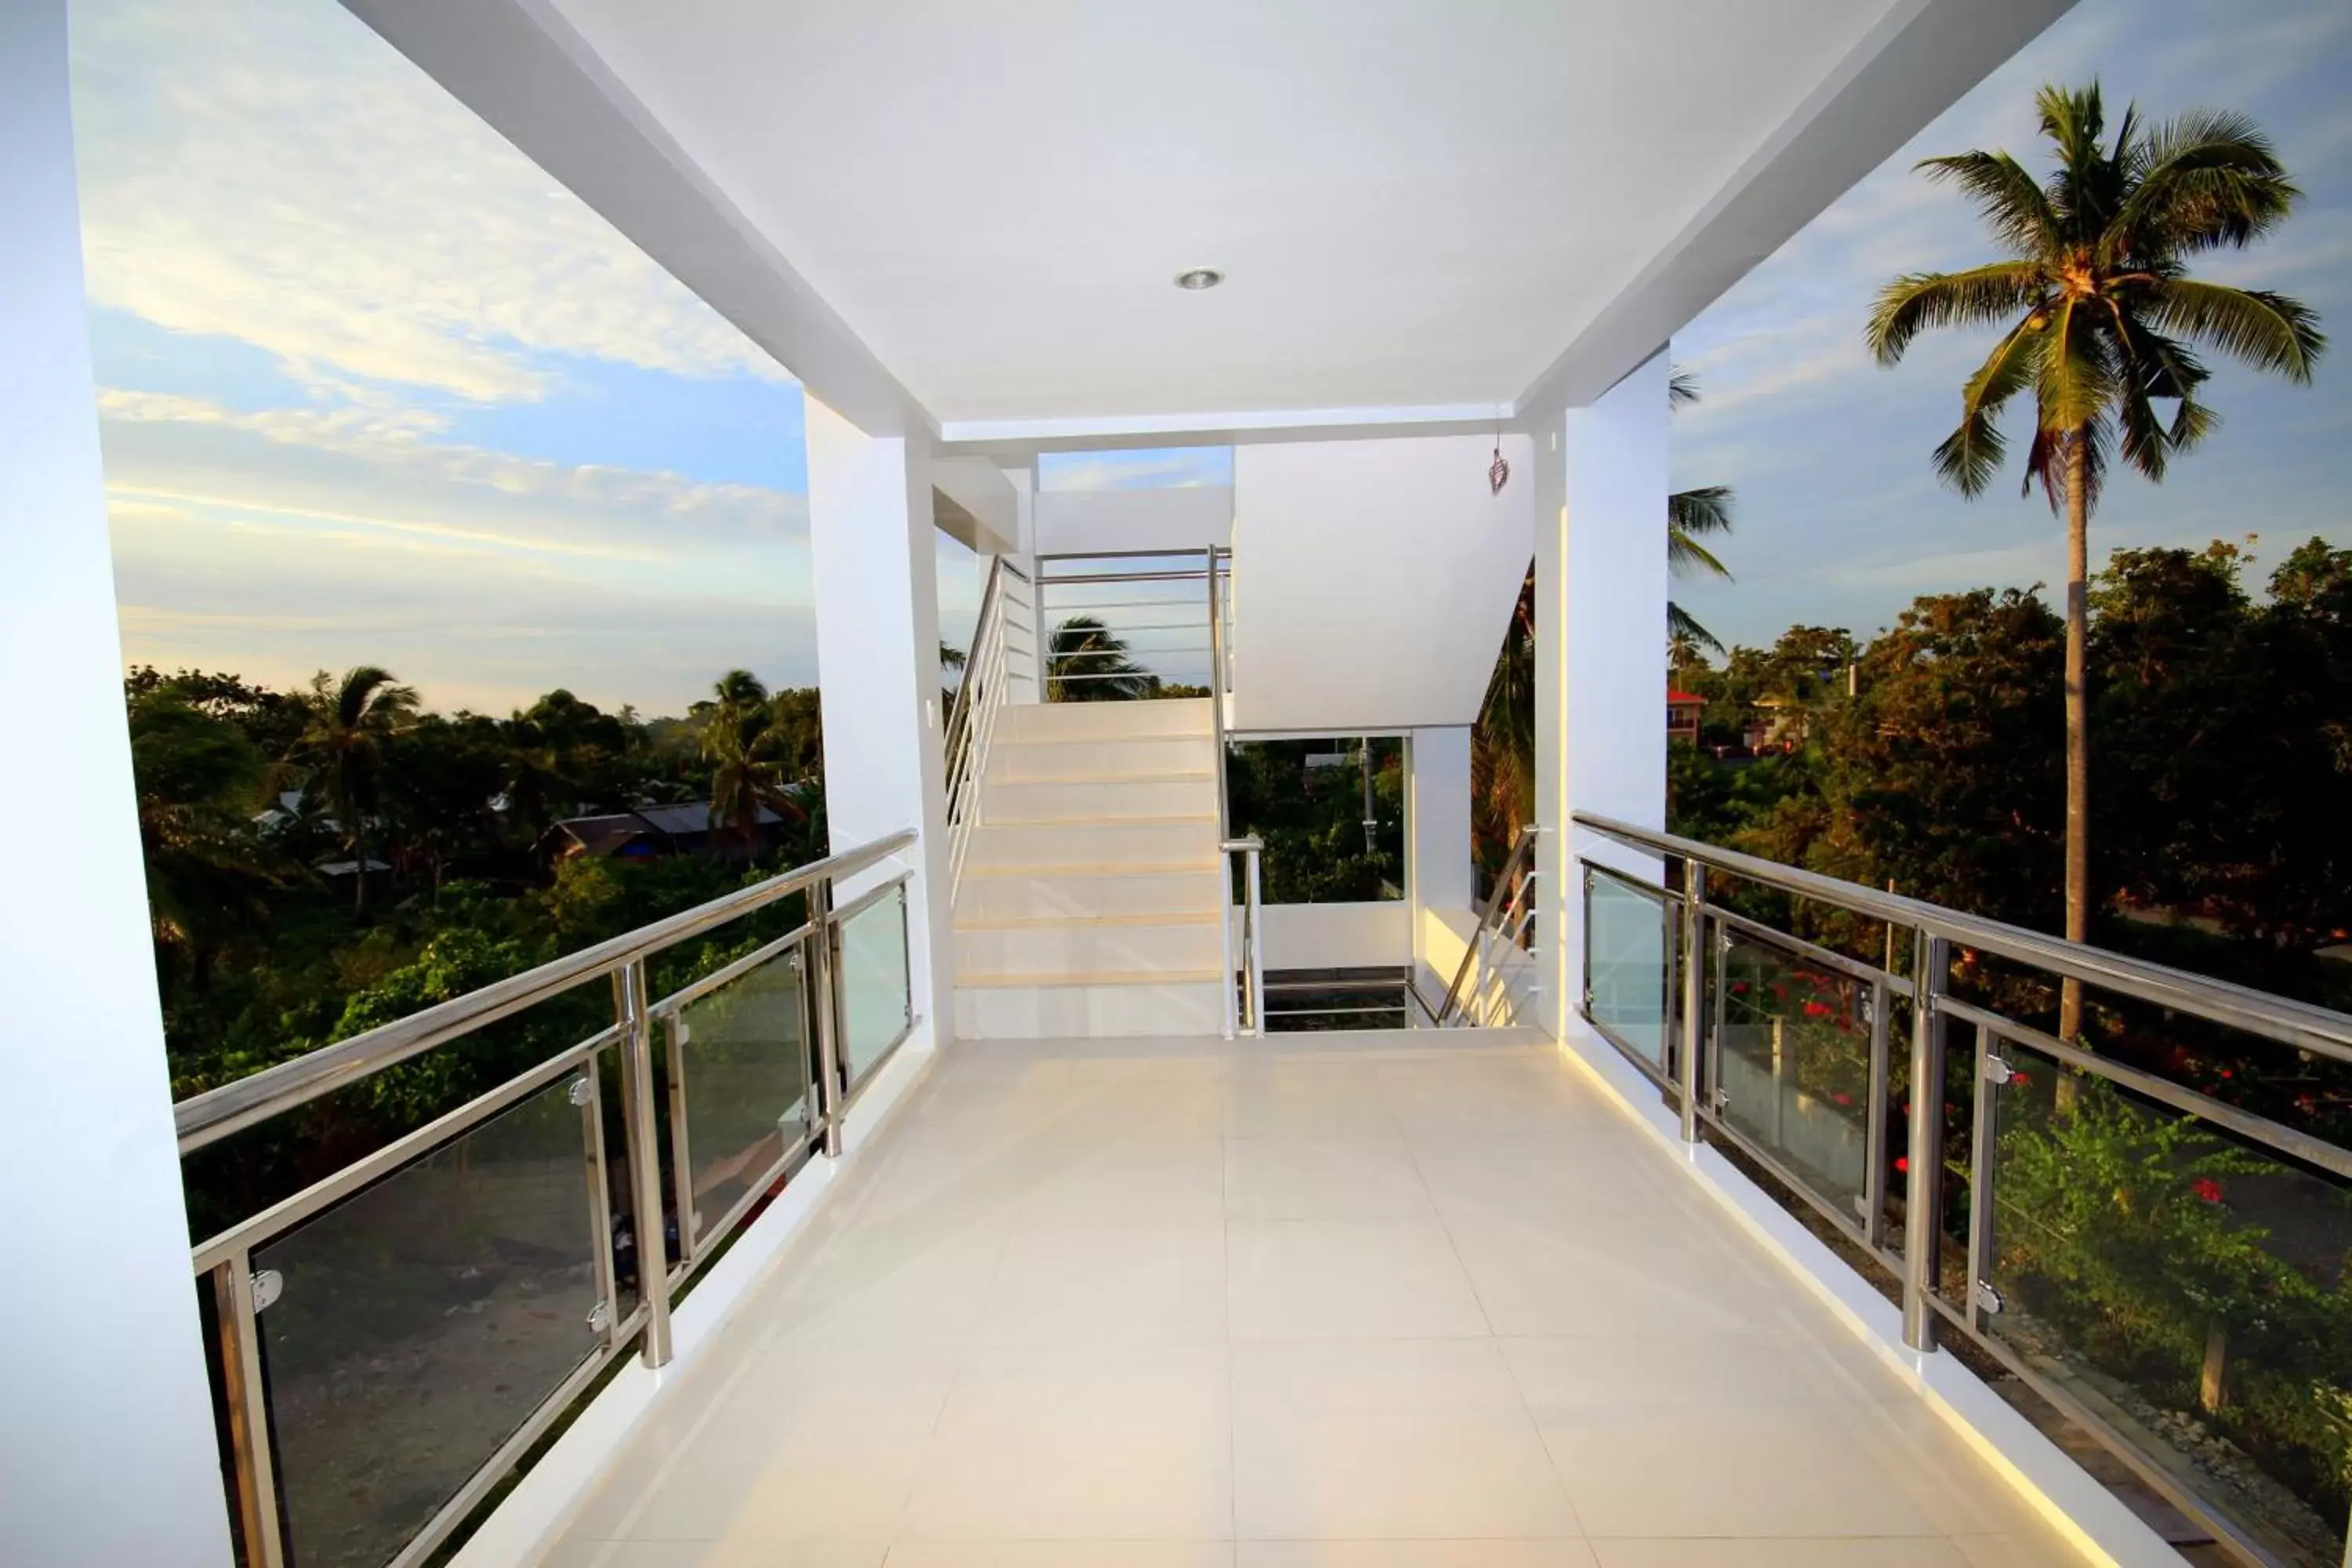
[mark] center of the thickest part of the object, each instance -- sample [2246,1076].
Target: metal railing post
[248,1417]
[639,1111]
[1924,1150]
[828,998]
[1257,940]
[1229,977]
[1693,978]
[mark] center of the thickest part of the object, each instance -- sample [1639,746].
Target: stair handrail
[1508,888]
[980,698]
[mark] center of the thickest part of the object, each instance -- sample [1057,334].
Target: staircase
[1090,893]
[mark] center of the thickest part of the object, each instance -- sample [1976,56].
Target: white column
[1437,871]
[107,1452]
[1600,664]
[877,648]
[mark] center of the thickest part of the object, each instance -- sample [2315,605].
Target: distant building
[1682,716]
[1777,724]
[646,832]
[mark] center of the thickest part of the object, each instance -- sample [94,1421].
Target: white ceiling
[1420,205]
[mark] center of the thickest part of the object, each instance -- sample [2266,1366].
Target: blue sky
[374,387]
[1840,521]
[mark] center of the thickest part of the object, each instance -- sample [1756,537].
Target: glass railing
[2155,1236]
[391,1340]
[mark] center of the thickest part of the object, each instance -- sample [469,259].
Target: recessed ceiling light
[1199,277]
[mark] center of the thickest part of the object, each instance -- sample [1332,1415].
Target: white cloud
[271,171]
[375,468]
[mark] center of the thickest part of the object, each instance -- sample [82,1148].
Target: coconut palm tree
[2101,323]
[1689,514]
[1088,662]
[342,748]
[208,875]
[746,749]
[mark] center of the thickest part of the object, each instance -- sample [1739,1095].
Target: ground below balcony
[1370,1301]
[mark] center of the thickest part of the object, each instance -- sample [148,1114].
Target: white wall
[1437,873]
[1374,580]
[107,1452]
[1337,936]
[1601,669]
[877,625]
[1185,518]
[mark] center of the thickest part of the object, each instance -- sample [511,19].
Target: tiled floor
[1367,1301]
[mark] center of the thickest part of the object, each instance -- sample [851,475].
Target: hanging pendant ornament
[1498,472]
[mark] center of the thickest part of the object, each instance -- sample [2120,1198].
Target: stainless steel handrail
[952,734]
[1252,957]
[212,1115]
[1504,887]
[2299,1024]
[1962,1295]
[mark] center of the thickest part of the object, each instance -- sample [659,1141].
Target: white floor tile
[1885,1552]
[1629,1275]
[1322,1178]
[1758,1473]
[1183,1304]
[1062,1554]
[1290,1097]
[1560,1553]
[1108,1284]
[1085,1444]
[1401,1438]
[1348,1279]
[1660,1373]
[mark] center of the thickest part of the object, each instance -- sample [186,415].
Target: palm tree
[342,746]
[208,875]
[1689,514]
[1088,662]
[2098,317]
[745,747]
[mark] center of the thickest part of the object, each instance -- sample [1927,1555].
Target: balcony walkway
[1347,1300]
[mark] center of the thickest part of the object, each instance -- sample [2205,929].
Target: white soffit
[1428,213]
[1418,205]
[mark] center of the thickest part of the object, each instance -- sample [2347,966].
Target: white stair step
[1105,845]
[1064,800]
[1152,945]
[1007,1009]
[1105,720]
[1012,896]
[1150,757]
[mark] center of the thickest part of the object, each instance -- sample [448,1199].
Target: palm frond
[2073,119]
[2156,367]
[2077,374]
[1682,388]
[2205,179]
[1679,623]
[2045,462]
[2006,198]
[1689,513]
[1970,456]
[1981,296]
[2265,330]
[1704,508]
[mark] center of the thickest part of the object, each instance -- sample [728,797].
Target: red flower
[2206,1188]
[2227,1073]
[2020,1079]
[1817,1009]
[1902,1162]
[1842,1099]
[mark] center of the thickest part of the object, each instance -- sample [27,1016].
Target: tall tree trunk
[2078,720]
